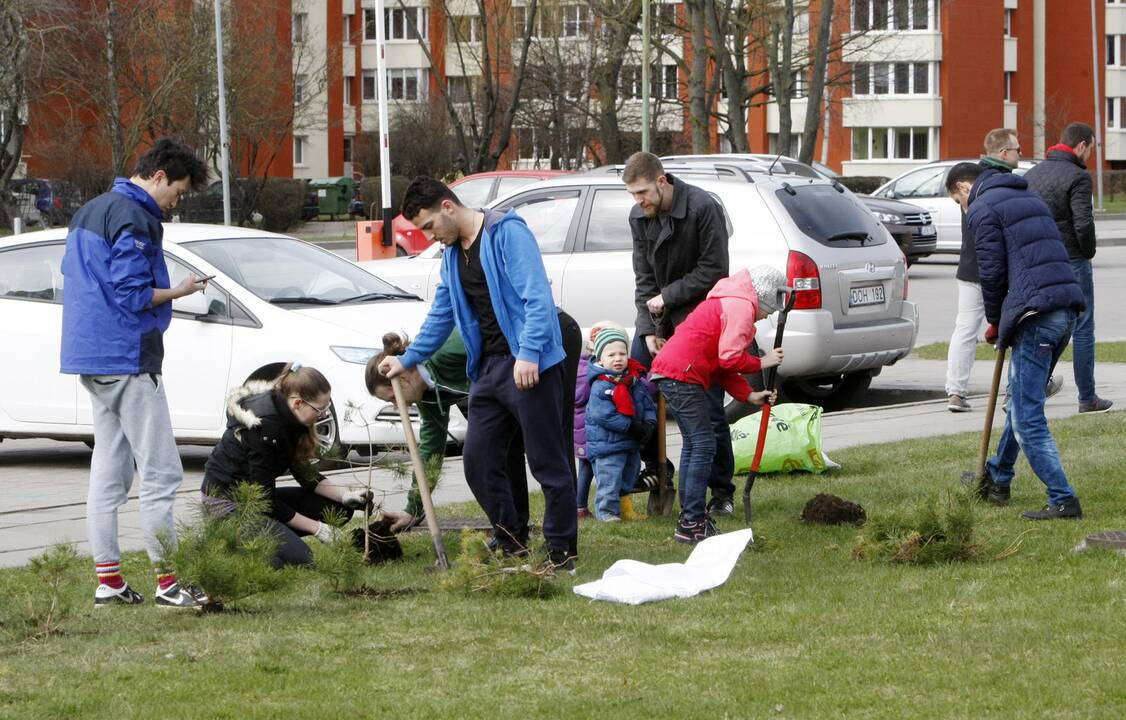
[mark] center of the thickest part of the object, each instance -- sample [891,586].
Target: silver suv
[851,316]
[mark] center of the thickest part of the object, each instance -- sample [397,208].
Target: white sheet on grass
[634,583]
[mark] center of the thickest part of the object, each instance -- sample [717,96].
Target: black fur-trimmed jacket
[257,447]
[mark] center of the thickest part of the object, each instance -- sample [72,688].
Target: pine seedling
[340,562]
[479,570]
[934,533]
[38,612]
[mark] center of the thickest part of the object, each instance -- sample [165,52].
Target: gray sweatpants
[131,425]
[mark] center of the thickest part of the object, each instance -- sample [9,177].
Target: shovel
[420,475]
[974,478]
[770,376]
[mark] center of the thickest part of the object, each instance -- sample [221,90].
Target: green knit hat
[606,336]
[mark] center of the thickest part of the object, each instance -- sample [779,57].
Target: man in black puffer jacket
[1032,300]
[1063,182]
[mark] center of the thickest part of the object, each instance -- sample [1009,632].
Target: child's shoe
[694,532]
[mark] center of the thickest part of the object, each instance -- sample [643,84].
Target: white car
[274,299]
[852,315]
[925,187]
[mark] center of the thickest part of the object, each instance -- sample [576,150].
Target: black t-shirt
[477,290]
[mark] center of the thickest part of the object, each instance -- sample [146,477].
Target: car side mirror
[195,304]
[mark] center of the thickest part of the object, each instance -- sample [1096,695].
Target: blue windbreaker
[114,260]
[520,294]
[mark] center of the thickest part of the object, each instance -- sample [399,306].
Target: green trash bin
[334,194]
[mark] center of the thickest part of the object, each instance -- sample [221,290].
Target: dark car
[909,224]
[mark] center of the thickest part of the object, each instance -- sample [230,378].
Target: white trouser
[963,342]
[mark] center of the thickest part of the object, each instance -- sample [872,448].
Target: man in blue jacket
[116,307]
[495,290]
[1032,298]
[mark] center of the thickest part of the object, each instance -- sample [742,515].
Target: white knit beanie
[769,282]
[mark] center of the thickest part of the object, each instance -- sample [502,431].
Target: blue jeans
[614,473]
[1038,344]
[586,479]
[1083,338]
[692,406]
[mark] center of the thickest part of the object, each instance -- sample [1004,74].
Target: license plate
[870,295]
[927,230]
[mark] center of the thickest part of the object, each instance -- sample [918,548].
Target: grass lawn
[801,630]
[1104,352]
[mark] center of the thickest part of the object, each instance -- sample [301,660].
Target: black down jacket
[1062,181]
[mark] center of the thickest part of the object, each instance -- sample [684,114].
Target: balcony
[893,111]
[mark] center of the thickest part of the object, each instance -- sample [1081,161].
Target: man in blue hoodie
[1031,302]
[116,307]
[495,290]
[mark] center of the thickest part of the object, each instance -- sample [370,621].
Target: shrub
[229,556]
[372,193]
[280,203]
[39,612]
[863,184]
[931,535]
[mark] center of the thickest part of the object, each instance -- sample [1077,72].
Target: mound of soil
[832,510]
[384,545]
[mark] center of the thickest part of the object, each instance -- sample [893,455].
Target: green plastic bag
[793,440]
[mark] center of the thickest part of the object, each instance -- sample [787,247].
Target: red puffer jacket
[711,343]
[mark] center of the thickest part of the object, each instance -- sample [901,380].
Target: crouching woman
[270,433]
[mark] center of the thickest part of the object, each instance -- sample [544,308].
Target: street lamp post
[384,150]
[224,141]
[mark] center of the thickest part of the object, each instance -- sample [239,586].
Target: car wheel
[835,392]
[330,451]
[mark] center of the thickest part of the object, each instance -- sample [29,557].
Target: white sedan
[274,299]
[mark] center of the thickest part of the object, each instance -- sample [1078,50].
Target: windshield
[284,270]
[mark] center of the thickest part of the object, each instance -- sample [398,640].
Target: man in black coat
[679,252]
[1063,182]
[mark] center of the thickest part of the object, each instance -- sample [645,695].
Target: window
[298,89]
[368,91]
[348,143]
[1113,50]
[465,29]
[801,23]
[608,226]
[1114,113]
[300,21]
[298,150]
[369,24]
[217,300]
[32,273]
[1009,22]
[662,18]
[893,15]
[506,185]
[576,21]
[893,78]
[406,23]
[348,80]
[574,87]
[474,193]
[829,217]
[548,215]
[406,84]
[891,143]
[664,82]
[457,87]
[1009,86]
[349,28]
[925,182]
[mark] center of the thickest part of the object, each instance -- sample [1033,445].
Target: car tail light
[802,274]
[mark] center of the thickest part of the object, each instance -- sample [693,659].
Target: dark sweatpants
[499,412]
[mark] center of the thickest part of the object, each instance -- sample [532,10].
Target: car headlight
[357,355]
[890,218]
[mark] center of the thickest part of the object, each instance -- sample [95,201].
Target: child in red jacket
[711,344]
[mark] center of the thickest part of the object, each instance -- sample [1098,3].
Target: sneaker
[175,596]
[124,595]
[1067,510]
[610,519]
[957,403]
[1055,384]
[584,514]
[721,504]
[694,532]
[1098,405]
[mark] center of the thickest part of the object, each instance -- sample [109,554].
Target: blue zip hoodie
[114,260]
[520,295]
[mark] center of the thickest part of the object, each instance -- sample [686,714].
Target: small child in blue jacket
[620,416]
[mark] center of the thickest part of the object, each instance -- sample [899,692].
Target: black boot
[1067,510]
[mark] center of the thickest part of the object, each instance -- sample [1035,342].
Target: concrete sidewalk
[43,483]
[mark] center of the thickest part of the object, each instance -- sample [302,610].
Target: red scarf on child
[623,401]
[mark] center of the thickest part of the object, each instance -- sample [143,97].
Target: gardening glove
[991,334]
[639,431]
[356,498]
[325,533]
